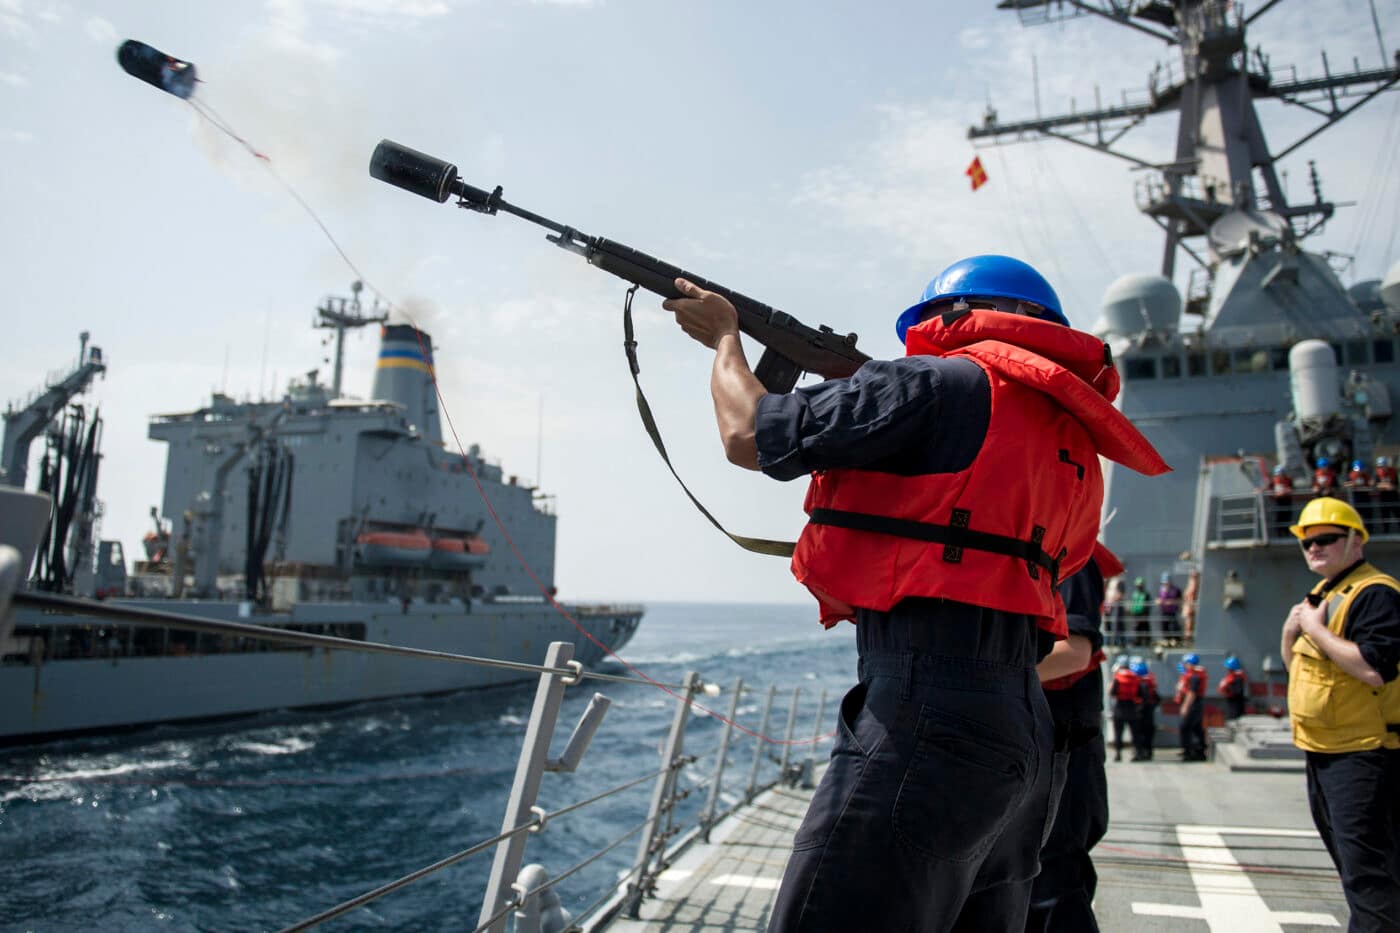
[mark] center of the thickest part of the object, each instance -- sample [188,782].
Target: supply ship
[1263,367]
[315,512]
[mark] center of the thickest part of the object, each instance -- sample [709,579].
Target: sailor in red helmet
[951,491]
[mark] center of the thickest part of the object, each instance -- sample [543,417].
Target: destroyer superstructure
[1268,360]
[313,511]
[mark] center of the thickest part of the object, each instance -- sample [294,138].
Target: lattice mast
[1222,160]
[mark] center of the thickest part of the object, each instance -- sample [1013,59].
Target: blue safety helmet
[1140,668]
[989,277]
[1232,663]
[1192,658]
[1181,667]
[1322,462]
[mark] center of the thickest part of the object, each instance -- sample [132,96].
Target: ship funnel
[404,375]
[1139,304]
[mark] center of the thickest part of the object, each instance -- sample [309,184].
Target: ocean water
[266,821]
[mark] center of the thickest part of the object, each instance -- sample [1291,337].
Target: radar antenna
[1222,161]
[340,314]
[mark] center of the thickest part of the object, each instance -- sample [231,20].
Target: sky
[809,155]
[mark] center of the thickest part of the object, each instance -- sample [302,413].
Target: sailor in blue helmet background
[951,491]
[1190,697]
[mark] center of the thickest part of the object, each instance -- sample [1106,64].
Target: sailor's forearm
[1067,657]
[736,391]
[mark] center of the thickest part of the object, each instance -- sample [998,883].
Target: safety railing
[1261,518]
[526,893]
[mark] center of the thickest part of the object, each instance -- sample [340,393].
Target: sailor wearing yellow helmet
[1342,648]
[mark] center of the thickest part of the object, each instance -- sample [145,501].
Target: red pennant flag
[977,173]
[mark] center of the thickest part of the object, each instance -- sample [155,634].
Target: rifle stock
[790,347]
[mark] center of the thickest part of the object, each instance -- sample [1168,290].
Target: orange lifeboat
[394,548]
[453,552]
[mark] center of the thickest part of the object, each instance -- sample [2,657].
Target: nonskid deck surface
[1190,847]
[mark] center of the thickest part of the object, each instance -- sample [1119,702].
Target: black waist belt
[954,537]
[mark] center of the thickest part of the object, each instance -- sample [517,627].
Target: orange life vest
[1233,684]
[1004,531]
[1193,680]
[1126,686]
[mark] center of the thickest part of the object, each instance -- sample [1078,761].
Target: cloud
[100,30]
[13,80]
[18,136]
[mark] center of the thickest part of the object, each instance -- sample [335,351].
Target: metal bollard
[540,912]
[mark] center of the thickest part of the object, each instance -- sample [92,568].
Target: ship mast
[340,314]
[1222,161]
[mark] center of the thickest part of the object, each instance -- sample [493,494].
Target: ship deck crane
[23,425]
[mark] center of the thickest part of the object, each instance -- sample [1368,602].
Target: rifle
[790,347]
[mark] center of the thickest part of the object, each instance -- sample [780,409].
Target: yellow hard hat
[1325,510]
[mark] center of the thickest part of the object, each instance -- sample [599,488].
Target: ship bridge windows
[1171,367]
[1140,367]
[1195,363]
[1383,351]
[1356,352]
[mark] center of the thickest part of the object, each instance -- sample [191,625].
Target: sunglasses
[1326,540]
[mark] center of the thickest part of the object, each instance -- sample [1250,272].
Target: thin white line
[746,881]
[1249,831]
[1299,918]
[1169,910]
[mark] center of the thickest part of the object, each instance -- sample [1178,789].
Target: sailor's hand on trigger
[706,316]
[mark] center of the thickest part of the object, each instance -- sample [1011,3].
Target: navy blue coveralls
[1063,894]
[942,777]
[1355,796]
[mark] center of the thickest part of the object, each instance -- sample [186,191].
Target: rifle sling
[757,545]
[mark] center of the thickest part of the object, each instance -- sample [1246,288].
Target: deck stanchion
[787,737]
[661,793]
[758,742]
[809,767]
[534,754]
[707,817]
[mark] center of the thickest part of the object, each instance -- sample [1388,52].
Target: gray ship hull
[113,689]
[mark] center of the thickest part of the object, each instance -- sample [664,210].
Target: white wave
[92,773]
[288,746]
[510,719]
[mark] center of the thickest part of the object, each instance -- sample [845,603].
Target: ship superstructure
[1263,362]
[318,512]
